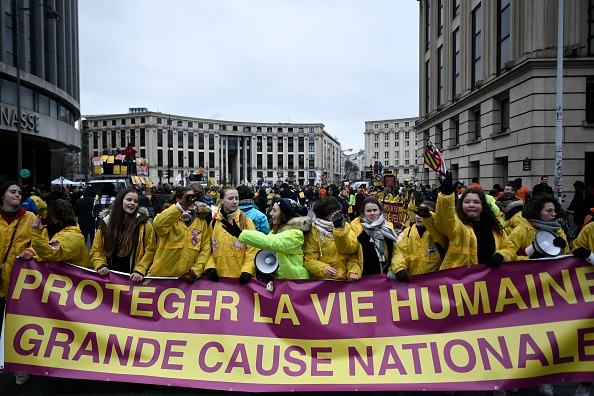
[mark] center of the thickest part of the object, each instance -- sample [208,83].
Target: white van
[367,183]
[99,183]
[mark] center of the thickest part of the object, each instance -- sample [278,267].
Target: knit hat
[291,207]
[325,206]
[284,186]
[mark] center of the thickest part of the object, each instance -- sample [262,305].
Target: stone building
[47,65]
[393,143]
[488,83]
[228,151]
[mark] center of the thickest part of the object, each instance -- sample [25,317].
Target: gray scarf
[325,228]
[377,231]
[550,226]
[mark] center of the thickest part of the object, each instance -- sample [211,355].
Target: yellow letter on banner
[21,285]
[62,291]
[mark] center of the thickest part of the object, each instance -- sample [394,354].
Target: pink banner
[470,328]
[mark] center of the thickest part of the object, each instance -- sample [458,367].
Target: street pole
[559,108]
[18,97]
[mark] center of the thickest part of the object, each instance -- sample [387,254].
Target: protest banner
[471,328]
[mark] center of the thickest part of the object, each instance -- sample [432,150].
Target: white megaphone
[266,261]
[543,244]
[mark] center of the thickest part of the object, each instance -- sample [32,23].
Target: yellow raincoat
[585,238]
[320,253]
[21,228]
[229,256]
[67,245]
[41,206]
[180,248]
[145,249]
[520,238]
[462,243]
[415,254]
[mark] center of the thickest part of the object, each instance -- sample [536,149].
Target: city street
[61,386]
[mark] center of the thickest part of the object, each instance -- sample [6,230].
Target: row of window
[396,125]
[503,52]
[387,136]
[35,101]
[200,125]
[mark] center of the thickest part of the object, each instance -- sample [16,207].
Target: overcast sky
[337,62]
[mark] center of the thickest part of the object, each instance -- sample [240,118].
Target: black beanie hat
[291,207]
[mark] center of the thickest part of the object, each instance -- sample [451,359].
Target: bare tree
[351,170]
[64,163]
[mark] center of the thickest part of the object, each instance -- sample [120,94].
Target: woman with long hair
[371,236]
[229,257]
[67,244]
[15,241]
[288,221]
[125,240]
[473,231]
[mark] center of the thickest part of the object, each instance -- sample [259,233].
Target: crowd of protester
[191,231]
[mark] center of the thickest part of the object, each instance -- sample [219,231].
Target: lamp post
[170,144]
[50,14]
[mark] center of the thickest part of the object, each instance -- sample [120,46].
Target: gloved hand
[243,278]
[402,276]
[581,253]
[338,220]
[390,275]
[560,242]
[447,184]
[231,228]
[188,277]
[212,275]
[423,211]
[495,260]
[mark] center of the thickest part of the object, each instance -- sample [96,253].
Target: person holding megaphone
[289,221]
[540,214]
[525,242]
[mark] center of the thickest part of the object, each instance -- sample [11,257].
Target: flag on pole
[434,159]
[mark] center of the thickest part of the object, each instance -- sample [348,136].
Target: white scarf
[377,230]
[325,228]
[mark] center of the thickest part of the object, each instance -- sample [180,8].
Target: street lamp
[50,14]
[170,144]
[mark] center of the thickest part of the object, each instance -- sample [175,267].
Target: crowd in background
[318,232]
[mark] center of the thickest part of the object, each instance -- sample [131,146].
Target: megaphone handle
[530,250]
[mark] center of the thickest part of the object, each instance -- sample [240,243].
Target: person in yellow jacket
[229,257]
[41,204]
[417,252]
[183,246]
[512,211]
[473,231]
[539,214]
[322,259]
[15,241]
[67,245]
[125,240]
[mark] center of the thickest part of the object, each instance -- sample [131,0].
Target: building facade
[232,152]
[488,89]
[49,86]
[358,159]
[393,144]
